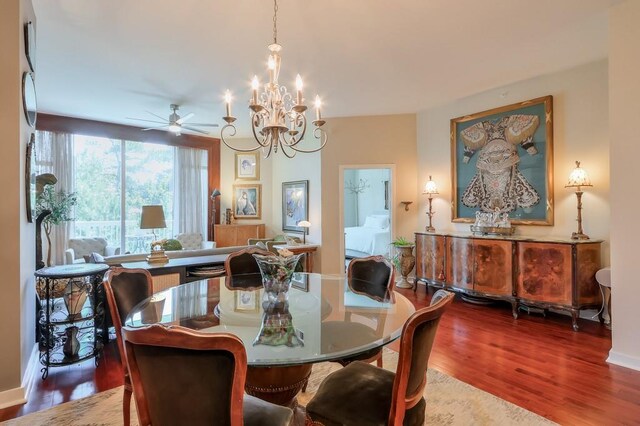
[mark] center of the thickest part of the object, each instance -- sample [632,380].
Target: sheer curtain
[190,192]
[54,154]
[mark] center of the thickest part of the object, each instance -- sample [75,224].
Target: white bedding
[367,240]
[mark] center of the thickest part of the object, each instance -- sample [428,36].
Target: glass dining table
[324,318]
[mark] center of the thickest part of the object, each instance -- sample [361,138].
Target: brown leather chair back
[372,276]
[243,262]
[181,376]
[124,289]
[418,336]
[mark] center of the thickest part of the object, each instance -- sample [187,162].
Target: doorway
[366,220]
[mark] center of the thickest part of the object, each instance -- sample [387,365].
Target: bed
[372,238]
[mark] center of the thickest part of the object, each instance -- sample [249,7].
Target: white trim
[624,360]
[31,371]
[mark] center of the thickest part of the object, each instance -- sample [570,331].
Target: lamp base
[430,229]
[579,236]
[157,257]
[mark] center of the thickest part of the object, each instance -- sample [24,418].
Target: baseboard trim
[624,360]
[12,397]
[31,371]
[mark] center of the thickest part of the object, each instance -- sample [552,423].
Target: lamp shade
[215,193]
[430,187]
[304,224]
[152,217]
[578,177]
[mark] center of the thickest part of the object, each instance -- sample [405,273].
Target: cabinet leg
[514,309]
[574,319]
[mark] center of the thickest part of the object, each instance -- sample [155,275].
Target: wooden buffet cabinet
[527,272]
[237,235]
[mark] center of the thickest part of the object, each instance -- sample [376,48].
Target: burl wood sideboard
[527,272]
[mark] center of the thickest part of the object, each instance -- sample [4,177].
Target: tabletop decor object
[277,324]
[404,260]
[430,189]
[503,159]
[495,223]
[305,225]
[577,179]
[75,296]
[278,120]
[153,218]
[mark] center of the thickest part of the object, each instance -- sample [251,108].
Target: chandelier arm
[233,132]
[284,145]
[318,133]
[295,141]
[255,122]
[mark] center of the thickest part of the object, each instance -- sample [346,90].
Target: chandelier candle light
[430,189]
[577,179]
[278,121]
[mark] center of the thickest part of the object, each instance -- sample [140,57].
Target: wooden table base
[279,385]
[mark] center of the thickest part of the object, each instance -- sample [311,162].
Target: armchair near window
[81,248]
[194,242]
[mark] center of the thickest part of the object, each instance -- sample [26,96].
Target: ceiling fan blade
[158,116]
[195,130]
[154,128]
[204,124]
[149,121]
[185,118]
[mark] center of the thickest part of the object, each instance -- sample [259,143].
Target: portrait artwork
[247,166]
[246,201]
[503,162]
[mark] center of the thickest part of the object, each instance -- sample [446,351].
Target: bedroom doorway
[367,193]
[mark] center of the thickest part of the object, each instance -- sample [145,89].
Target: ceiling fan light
[174,128]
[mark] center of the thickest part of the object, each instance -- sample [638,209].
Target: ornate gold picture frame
[502,161]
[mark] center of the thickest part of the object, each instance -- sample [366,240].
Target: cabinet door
[492,267]
[225,235]
[460,262]
[587,264]
[430,257]
[544,272]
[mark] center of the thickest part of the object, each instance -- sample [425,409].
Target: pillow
[376,222]
[262,245]
[96,258]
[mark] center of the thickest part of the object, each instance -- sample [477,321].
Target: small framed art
[295,205]
[246,300]
[246,201]
[247,166]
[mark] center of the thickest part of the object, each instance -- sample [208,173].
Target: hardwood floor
[538,363]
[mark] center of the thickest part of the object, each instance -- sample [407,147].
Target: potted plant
[404,260]
[60,204]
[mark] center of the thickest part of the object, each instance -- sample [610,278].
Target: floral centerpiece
[277,323]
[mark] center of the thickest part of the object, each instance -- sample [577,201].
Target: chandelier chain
[275,21]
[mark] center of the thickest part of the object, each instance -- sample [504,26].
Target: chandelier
[278,120]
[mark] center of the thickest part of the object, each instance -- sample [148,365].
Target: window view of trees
[112,176]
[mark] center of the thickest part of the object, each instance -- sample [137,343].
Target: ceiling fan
[175,124]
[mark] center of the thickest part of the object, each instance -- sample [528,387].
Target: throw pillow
[95,258]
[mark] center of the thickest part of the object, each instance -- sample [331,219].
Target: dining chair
[124,289]
[363,394]
[243,262]
[374,277]
[181,376]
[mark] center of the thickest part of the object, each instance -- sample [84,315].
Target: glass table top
[329,317]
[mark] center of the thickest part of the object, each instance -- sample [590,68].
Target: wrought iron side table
[72,314]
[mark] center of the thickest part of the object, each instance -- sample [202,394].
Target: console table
[72,325]
[527,272]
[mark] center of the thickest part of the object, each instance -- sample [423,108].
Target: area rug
[449,402]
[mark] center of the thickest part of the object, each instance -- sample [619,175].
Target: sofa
[194,242]
[117,260]
[81,248]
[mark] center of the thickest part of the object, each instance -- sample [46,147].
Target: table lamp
[430,189]
[577,179]
[305,225]
[153,218]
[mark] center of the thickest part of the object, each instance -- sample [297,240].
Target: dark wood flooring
[538,363]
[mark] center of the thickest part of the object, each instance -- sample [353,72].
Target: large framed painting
[295,204]
[502,161]
[247,201]
[248,165]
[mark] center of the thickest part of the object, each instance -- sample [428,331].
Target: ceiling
[112,59]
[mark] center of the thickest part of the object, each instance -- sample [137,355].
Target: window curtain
[190,192]
[54,154]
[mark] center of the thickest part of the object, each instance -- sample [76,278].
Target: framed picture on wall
[502,161]
[247,201]
[247,165]
[246,301]
[295,204]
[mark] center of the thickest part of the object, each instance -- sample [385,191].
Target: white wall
[624,109]
[581,125]
[17,255]
[372,199]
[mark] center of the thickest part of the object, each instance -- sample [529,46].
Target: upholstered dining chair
[242,270]
[124,289]
[181,376]
[363,394]
[373,277]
